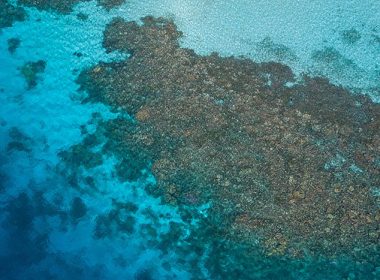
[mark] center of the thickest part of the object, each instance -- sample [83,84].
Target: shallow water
[63,221]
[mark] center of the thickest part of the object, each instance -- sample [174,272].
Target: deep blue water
[47,220]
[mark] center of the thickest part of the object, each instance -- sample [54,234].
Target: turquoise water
[61,221]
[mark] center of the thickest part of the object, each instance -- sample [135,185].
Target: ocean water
[61,221]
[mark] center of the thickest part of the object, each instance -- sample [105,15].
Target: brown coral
[279,160]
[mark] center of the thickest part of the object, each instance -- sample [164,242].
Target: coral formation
[19,141]
[268,49]
[82,16]
[60,6]
[78,208]
[10,14]
[351,36]
[233,133]
[13,44]
[120,219]
[66,6]
[31,70]
[81,155]
[110,4]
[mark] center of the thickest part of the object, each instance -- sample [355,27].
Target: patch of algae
[234,133]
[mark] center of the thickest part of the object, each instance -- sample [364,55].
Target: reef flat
[291,165]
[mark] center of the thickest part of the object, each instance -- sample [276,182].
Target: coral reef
[78,208]
[351,36]
[268,49]
[119,220]
[234,133]
[110,4]
[10,14]
[58,6]
[31,70]
[13,44]
[81,155]
[19,141]
[66,6]
[82,16]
